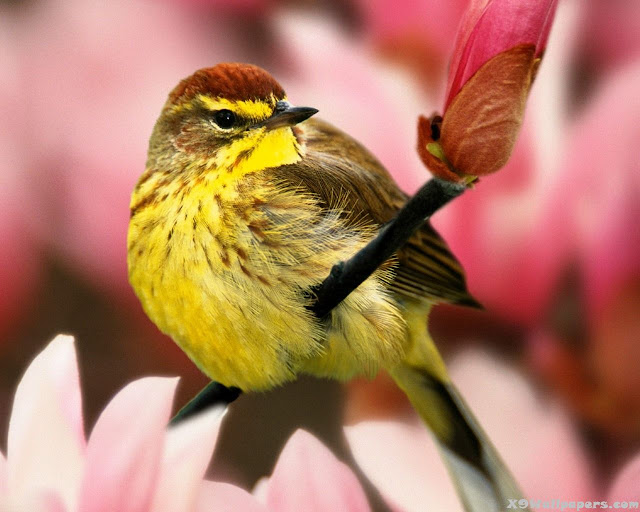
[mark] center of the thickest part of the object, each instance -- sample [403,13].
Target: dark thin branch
[212,394]
[348,275]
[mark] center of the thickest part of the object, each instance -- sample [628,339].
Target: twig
[212,394]
[347,276]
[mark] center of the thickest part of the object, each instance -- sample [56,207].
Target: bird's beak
[287,115]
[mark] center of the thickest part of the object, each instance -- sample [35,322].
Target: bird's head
[230,116]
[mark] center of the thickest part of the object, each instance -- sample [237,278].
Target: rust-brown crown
[232,81]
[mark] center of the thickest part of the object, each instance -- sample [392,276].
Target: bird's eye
[224,118]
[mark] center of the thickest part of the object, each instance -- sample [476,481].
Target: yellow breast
[225,272]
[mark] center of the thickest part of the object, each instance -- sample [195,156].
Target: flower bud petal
[490,27]
[482,122]
[432,154]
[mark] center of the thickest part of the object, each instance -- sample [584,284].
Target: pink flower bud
[497,53]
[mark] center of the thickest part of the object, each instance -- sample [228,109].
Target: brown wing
[347,178]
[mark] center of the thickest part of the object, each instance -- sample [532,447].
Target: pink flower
[20,262]
[490,27]
[417,33]
[609,36]
[604,175]
[597,200]
[309,477]
[435,21]
[495,60]
[510,232]
[314,50]
[92,78]
[131,463]
[403,462]
[19,258]
[498,231]
[245,7]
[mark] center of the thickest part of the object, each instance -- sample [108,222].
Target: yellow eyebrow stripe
[245,108]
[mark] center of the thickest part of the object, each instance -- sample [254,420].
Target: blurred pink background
[551,244]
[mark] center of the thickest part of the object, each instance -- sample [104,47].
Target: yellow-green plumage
[232,226]
[227,283]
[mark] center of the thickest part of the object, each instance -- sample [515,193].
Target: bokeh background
[551,244]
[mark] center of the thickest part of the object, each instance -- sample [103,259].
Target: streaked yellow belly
[225,281]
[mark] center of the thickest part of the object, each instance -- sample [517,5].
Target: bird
[245,205]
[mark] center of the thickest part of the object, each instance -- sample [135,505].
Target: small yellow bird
[245,205]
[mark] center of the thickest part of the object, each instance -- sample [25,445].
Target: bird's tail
[481,478]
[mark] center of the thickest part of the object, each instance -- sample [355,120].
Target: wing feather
[347,178]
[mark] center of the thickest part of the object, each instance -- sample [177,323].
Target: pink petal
[316,50]
[85,49]
[19,256]
[125,448]
[507,231]
[511,228]
[433,21]
[490,27]
[46,438]
[47,502]
[39,502]
[51,504]
[598,195]
[245,7]
[625,485]
[403,462]
[3,476]
[609,35]
[552,461]
[309,477]
[603,174]
[260,489]
[187,453]
[223,497]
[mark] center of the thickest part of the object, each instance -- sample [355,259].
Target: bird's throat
[255,152]
[218,176]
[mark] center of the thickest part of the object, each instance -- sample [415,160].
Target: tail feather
[503,481]
[481,478]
